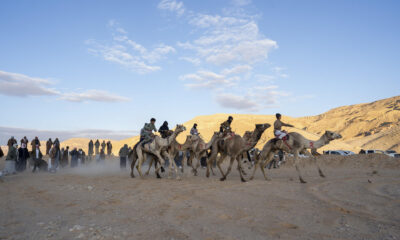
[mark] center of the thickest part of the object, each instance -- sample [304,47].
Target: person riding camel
[278,124]
[164,130]
[194,130]
[225,127]
[146,133]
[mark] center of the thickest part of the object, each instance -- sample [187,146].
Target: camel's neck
[319,143]
[210,143]
[171,138]
[255,137]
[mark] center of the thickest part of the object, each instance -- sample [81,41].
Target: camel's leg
[171,163]
[269,158]
[296,164]
[219,161]
[172,160]
[198,159]
[134,158]
[184,159]
[191,158]
[210,161]
[150,163]
[229,169]
[140,162]
[212,168]
[162,163]
[314,159]
[256,163]
[238,158]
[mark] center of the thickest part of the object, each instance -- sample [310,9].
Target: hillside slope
[373,125]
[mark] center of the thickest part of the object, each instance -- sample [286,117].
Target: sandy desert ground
[359,199]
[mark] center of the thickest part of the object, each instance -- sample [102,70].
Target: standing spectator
[49,143]
[97,145]
[102,157]
[23,156]
[11,160]
[37,156]
[74,158]
[123,154]
[90,149]
[81,157]
[64,158]
[35,143]
[11,142]
[103,146]
[109,148]
[25,140]
[57,142]
[55,156]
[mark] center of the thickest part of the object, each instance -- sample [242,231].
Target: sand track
[105,203]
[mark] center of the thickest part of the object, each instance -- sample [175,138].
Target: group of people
[96,147]
[17,157]
[147,135]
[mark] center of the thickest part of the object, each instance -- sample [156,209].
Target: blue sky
[76,65]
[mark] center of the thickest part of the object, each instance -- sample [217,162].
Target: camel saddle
[284,139]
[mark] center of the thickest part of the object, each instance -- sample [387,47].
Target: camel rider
[194,131]
[164,130]
[146,133]
[226,126]
[278,124]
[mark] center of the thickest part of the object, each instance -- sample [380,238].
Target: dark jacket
[163,130]
[11,142]
[12,154]
[23,153]
[123,152]
[33,154]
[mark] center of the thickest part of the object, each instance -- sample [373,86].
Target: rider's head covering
[152,120]
[278,115]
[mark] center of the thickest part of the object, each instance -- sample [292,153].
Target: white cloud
[19,85]
[128,53]
[194,61]
[241,3]
[172,5]
[236,102]
[208,79]
[15,84]
[237,69]
[93,95]
[226,40]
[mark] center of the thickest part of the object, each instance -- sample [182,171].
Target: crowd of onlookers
[19,158]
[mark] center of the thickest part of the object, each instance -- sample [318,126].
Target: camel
[198,150]
[173,149]
[155,148]
[234,146]
[295,144]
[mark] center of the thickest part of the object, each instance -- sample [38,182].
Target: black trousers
[122,162]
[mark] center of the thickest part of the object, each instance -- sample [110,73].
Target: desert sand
[359,199]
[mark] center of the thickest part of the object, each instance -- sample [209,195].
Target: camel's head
[180,128]
[218,135]
[332,135]
[262,127]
